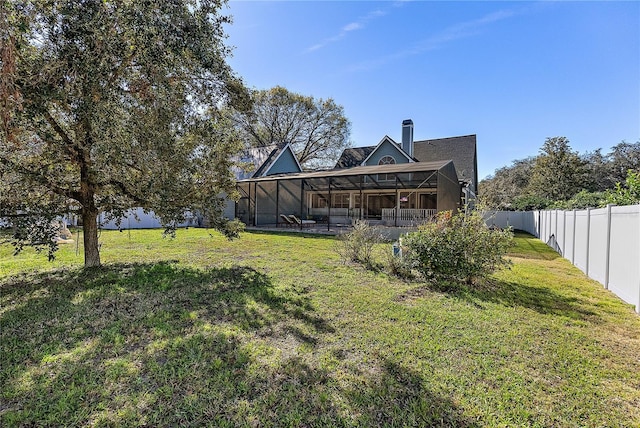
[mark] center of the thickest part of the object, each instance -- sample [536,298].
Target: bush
[457,247]
[397,265]
[357,245]
[627,193]
[581,200]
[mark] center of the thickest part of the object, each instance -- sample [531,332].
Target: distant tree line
[561,178]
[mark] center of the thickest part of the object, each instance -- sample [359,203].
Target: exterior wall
[387,148]
[448,189]
[603,243]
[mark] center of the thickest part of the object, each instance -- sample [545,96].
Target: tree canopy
[317,129]
[109,105]
[558,171]
[560,177]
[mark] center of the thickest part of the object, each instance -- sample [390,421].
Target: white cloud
[358,24]
[438,40]
[353,26]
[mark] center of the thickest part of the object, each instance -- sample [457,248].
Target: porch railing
[406,214]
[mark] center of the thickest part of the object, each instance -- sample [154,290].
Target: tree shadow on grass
[400,396]
[109,344]
[511,294]
[295,233]
[297,393]
[163,345]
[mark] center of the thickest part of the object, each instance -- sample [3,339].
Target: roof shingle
[461,150]
[354,156]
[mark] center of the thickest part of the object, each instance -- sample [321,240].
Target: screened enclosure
[393,195]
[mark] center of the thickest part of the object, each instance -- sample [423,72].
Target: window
[340,200]
[386,160]
[318,201]
[407,200]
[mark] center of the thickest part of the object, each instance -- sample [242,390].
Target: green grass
[273,330]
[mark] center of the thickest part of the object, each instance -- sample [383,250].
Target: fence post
[555,232]
[586,268]
[607,254]
[573,245]
[564,232]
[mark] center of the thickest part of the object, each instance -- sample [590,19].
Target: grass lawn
[272,330]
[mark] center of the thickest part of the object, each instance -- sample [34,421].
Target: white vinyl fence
[136,218]
[603,243]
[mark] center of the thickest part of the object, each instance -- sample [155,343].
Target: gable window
[386,160]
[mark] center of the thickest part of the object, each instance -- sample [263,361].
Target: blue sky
[514,73]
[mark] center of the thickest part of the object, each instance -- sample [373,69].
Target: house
[390,183]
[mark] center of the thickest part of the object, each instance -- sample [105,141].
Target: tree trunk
[90,232]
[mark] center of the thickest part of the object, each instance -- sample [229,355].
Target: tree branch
[41,179]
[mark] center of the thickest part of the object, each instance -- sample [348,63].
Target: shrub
[357,244]
[581,200]
[627,193]
[397,265]
[457,247]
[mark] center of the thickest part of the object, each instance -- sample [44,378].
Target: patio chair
[302,223]
[287,221]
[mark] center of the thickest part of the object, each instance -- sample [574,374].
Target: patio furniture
[287,221]
[302,223]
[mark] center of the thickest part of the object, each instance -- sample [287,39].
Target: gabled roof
[273,158]
[461,150]
[353,156]
[252,159]
[395,145]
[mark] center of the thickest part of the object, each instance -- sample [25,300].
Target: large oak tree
[317,129]
[109,105]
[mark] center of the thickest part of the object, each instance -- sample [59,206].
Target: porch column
[277,201]
[397,202]
[235,205]
[301,199]
[361,201]
[329,208]
[255,203]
